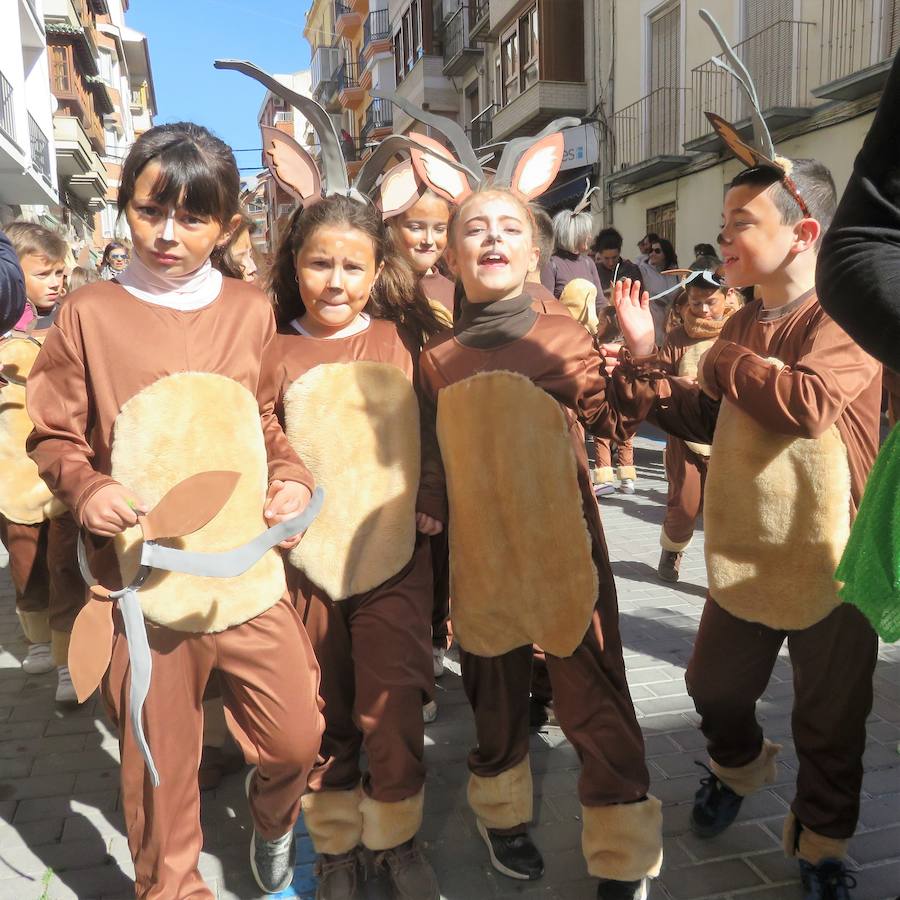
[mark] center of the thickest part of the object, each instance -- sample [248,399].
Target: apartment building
[819,67]
[27,171]
[268,204]
[501,68]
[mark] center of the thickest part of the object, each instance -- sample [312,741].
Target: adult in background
[610,265]
[572,234]
[12,285]
[644,245]
[114,261]
[662,258]
[704,250]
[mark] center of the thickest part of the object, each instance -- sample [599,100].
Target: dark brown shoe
[338,875]
[409,872]
[669,564]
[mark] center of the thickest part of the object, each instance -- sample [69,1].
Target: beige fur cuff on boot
[333,820]
[388,825]
[744,780]
[59,646]
[36,626]
[506,800]
[602,475]
[623,841]
[809,846]
[624,472]
[674,546]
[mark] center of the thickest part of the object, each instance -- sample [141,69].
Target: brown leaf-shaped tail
[90,647]
[189,505]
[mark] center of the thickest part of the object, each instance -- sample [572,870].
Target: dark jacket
[12,285]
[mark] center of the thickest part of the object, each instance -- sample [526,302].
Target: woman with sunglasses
[115,260]
[661,258]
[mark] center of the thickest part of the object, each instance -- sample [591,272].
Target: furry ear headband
[762,154]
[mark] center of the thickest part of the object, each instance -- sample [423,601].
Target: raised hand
[635,321]
[111,510]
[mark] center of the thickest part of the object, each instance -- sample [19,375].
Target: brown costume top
[796,433]
[111,357]
[497,355]
[350,409]
[439,288]
[544,301]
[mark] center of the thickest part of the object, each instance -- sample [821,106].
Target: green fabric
[870,567]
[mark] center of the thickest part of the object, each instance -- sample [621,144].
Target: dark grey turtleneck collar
[486,325]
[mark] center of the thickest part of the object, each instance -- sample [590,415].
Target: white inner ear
[537,170]
[442,175]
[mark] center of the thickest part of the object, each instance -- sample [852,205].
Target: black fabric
[485,325]
[12,285]
[858,275]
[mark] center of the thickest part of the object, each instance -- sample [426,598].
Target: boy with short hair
[608,256]
[795,407]
[40,537]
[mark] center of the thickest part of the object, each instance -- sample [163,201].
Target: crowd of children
[438,357]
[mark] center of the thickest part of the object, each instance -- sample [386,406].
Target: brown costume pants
[603,452]
[269,680]
[833,662]
[440,573]
[375,654]
[50,591]
[686,472]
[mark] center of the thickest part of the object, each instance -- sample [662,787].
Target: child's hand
[285,500]
[111,510]
[635,321]
[610,355]
[427,525]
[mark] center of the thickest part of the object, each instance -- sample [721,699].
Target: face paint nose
[169,230]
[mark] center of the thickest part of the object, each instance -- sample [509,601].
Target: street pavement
[61,825]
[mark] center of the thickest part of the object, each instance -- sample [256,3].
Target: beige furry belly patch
[520,551]
[776,518]
[687,367]
[24,498]
[178,426]
[356,426]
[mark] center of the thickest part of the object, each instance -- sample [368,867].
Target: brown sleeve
[432,499]
[284,464]
[609,407]
[804,399]
[668,358]
[60,406]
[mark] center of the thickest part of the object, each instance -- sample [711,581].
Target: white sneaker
[626,486]
[437,656]
[603,488]
[429,712]
[65,690]
[39,660]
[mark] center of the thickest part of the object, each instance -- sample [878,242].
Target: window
[518,59]
[408,46]
[106,66]
[59,67]
[665,100]
[661,219]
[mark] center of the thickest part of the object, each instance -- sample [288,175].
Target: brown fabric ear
[538,167]
[447,181]
[744,152]
[90,647]
[189,505]
[399,189]
[291,166]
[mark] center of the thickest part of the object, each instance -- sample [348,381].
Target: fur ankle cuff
[674,546]
[59,646]
[334,820]
[36,626]
[603,475]
[387,825]
[624,472]
[745,780]
[800,841]
[506,800]
[623,841]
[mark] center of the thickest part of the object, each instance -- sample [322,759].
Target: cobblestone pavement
[61,830]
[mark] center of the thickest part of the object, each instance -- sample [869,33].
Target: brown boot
[669,564]
[410,874]
[338,875]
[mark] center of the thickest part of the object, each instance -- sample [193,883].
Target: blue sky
[185,36]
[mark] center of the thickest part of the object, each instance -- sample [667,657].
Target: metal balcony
[459,49]
[377,27]
[479,17]
[40,150]
[778,59]
[481,127]
[856,49]
[648,136]
[7,110]
[325,62]
[379,115]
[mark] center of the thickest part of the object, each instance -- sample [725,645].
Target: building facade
[27,154]
[819,67]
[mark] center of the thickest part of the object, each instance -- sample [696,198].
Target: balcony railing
[377,27]
[40,149]
[324,64]
[456,39]
[347,75]
[855,34]
[379,114]
[7,111]
[479,15]
[649,128]
[777,57]
[352,148]
[480,128]
[341,9]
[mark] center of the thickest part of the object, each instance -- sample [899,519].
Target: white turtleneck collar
[182,292]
